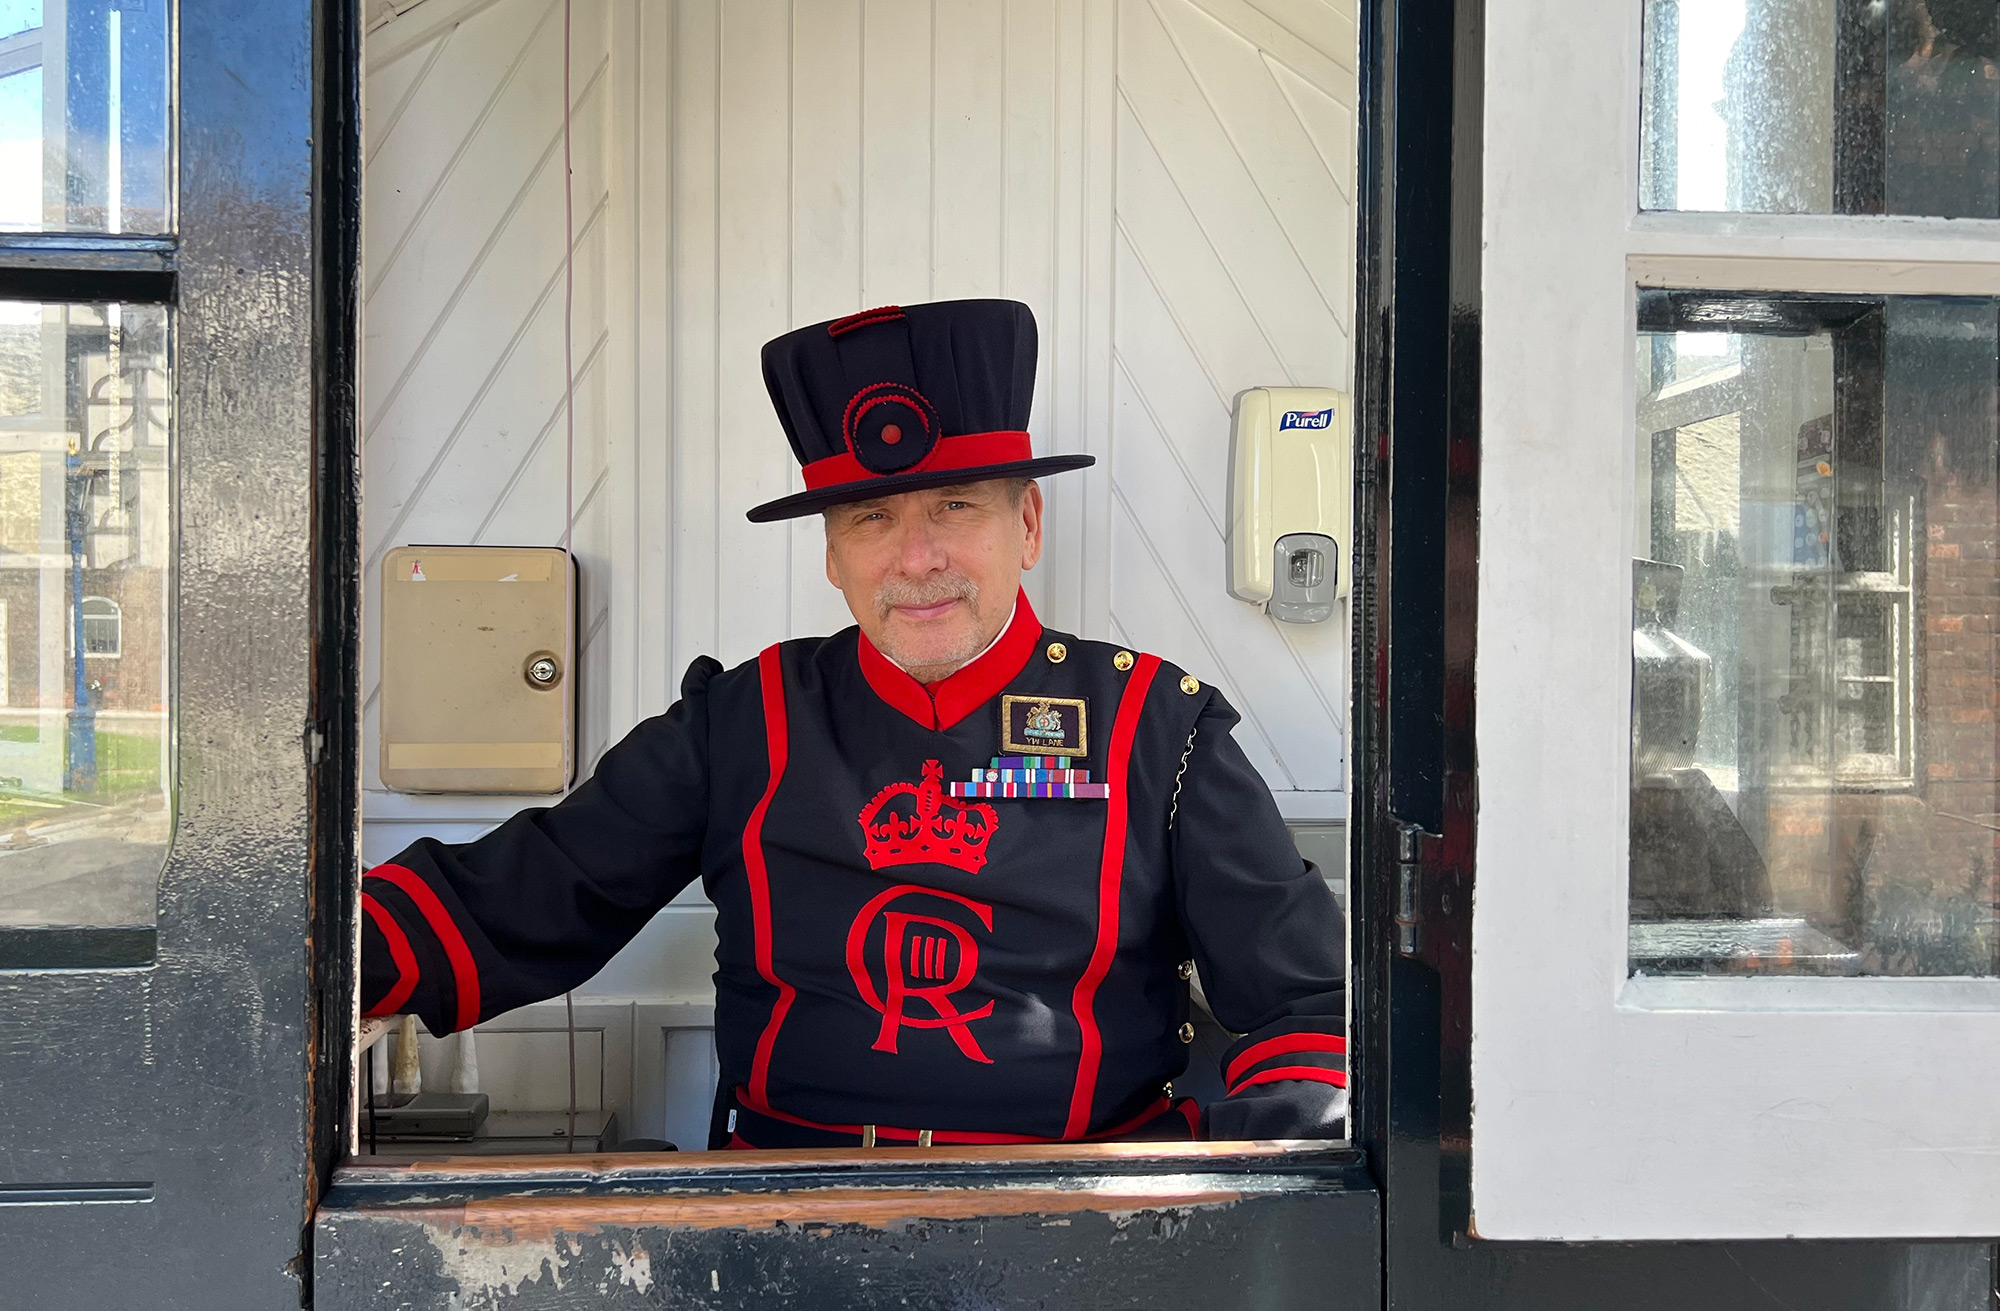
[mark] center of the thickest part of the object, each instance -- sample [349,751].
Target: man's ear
[1031,514]
[832,575]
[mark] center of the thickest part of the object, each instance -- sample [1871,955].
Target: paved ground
[84,866]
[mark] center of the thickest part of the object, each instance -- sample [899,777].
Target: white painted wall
[1233,268]
[1168,183]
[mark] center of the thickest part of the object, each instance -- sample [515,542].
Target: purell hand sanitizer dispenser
[1291,484]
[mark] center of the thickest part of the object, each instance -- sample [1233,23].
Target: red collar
[941,705]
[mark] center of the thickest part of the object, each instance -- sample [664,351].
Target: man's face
[931,575]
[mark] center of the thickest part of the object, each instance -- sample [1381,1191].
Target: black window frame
[359,1191]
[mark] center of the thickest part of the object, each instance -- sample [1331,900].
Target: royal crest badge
[1044,726]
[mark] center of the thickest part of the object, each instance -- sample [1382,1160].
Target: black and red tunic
[989,969]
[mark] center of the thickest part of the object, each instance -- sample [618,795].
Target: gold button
[1187,1033]
[1057,653]
[1122,661]
[1190,684]
[1187,969]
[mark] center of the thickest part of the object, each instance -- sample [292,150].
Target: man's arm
[456,934]
[1269,942]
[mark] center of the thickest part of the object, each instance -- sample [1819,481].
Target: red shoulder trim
[464,970]
[777,742]
[1282,1045]
[399,952]
[1110,878]
[1277,1074]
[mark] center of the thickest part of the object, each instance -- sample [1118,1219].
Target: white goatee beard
[932,590]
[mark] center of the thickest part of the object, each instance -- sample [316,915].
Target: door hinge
[1409,887]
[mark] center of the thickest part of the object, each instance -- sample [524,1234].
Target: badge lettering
[923,958]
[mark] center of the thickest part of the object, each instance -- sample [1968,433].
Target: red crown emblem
[930,828]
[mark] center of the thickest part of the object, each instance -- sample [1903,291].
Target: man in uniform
[964,867]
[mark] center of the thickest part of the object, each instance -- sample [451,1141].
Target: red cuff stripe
[399,952]
[969,451]
[1282,1045]
[464,970]
[1277,1073]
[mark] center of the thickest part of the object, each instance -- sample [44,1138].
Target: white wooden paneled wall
[1234,269]
[1167,182]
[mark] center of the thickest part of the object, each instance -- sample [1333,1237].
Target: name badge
[1044,726]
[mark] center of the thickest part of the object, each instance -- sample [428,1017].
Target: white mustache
[931,591]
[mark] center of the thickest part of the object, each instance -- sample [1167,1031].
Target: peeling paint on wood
[898,1231]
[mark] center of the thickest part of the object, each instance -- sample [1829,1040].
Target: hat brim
[804,503]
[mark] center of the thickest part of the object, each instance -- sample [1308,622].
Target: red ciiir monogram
[925,958]
[927,829]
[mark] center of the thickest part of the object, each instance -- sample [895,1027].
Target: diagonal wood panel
[1234,269]
[1240,89]
[465,418]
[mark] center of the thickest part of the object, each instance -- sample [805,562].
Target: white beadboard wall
[1168,183]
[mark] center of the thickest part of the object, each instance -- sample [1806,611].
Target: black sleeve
[458,933]
[1268,939]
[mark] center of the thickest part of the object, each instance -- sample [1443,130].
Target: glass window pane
[84,140]
[1822,107]
[1815,765]
[86,748]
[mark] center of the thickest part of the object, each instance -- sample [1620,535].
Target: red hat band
[974,450]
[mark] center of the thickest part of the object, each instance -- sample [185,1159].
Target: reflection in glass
[85,550]
[1815,760]
[84,140]
[1822,107]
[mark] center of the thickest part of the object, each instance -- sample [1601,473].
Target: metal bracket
[1409,898]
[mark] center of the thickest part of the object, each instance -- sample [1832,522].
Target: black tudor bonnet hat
[904,397]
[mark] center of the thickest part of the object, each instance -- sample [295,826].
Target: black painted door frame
[170,1096]
[1415,772]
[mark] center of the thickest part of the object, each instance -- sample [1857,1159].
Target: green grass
[128,765]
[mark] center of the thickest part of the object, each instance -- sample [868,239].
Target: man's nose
[922,552]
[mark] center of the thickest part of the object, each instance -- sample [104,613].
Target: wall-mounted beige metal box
[477,687]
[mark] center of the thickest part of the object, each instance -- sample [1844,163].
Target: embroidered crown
[928,828]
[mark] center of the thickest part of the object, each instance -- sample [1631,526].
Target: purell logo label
[1306,419]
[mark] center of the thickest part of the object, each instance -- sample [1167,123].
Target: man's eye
[957,505]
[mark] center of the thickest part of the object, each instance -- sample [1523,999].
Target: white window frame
[117,616]
[1607,1107]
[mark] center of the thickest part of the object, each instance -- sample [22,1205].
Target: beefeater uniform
[960,913]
